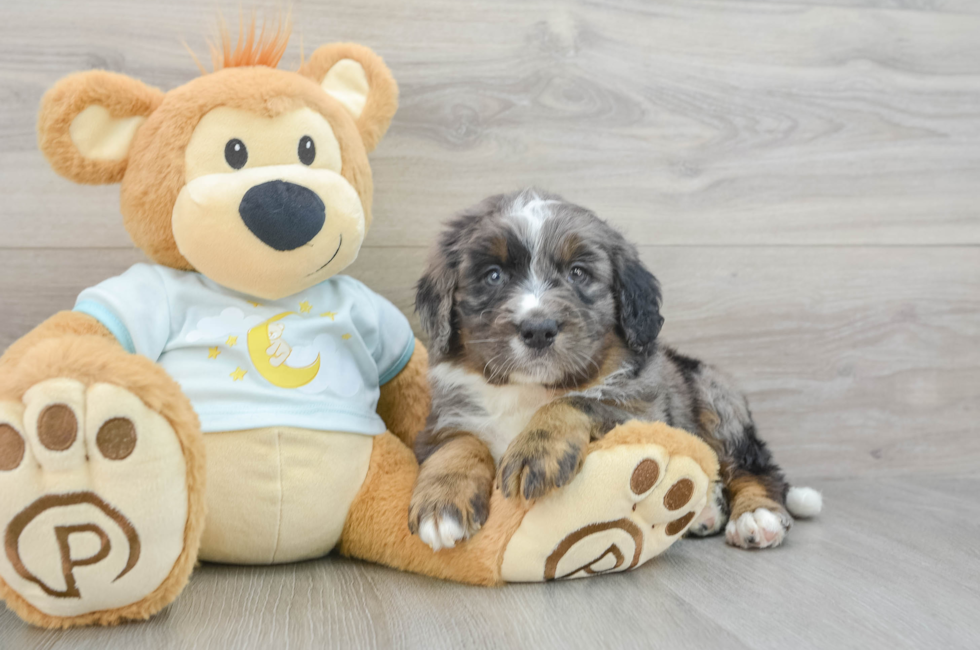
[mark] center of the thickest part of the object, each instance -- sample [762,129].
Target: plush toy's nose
[283,215]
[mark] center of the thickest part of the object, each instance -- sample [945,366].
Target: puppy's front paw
[538,462]
[761,528]
[448,508]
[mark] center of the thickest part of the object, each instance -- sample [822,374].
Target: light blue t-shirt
[314,360]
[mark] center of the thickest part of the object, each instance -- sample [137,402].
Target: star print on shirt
[232,340]
[346,337]
[238,375]
[305,307]
[328,314]
[213,352]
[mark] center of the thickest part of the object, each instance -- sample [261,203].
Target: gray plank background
[803,177]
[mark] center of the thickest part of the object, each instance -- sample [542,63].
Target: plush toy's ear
[88,121]
[357,78]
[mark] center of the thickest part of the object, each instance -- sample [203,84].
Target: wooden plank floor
[802,175]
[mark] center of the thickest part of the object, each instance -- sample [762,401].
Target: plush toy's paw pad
[761,528]
[628,504]
[94,498]
[713,517]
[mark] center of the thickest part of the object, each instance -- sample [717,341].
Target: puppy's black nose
[539,334]
[283,215]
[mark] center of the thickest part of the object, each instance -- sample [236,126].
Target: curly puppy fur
[543,325]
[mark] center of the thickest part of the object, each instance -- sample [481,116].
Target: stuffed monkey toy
[235,399]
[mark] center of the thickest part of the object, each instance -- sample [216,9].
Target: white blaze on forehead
[533,212]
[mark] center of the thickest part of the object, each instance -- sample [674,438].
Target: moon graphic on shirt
[282,375]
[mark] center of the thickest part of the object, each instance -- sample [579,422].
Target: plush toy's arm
[64,323]
[405,400]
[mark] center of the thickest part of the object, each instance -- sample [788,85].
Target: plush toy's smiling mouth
[339,244]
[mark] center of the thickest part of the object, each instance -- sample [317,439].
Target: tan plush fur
[122,96]
[675,441]
[64,323]
[383,100]
[376,528]
[90,359]
[404,402]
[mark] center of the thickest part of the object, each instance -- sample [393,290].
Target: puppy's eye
[578,274]
[307,150]
[494,276]
[236,155]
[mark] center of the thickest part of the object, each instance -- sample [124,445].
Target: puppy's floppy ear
[434,299]
[638,301]
[359,79]
[88,121]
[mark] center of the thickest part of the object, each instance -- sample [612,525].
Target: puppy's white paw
[761,528]
[441,531]
[712,518]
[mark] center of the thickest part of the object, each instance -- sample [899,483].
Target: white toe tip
[429,534]
[804,502]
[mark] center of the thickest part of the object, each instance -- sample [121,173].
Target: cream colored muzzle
[255,230]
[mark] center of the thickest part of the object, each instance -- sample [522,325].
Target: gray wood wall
[803,177]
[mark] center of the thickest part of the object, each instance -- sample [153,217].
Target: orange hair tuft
[266,50]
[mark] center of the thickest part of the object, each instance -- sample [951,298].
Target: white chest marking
[508,408]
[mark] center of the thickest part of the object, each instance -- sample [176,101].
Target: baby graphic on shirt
[279,350]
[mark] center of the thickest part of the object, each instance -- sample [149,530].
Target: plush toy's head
[255,177]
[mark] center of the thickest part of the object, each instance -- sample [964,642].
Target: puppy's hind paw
[761,528]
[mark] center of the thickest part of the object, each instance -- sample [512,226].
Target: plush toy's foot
[639,490]
[96,501]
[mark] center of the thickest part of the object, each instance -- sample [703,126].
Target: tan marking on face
[569,248]
[499,249]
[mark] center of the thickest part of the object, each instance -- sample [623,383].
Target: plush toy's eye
[307,150]
[236,154]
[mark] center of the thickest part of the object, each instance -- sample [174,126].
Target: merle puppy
[530,301]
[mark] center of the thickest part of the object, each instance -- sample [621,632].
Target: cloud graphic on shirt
[231,321]
[338,374]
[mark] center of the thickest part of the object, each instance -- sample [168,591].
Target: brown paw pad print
[678,496]
[57,430]
[57,427]
[11,448]
[644,478]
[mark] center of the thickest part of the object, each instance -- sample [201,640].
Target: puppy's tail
[804,502]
